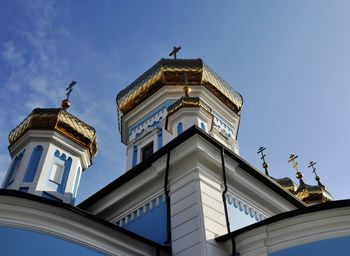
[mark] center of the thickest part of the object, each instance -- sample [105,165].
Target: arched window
[33,164]
[180,128]
[12,173]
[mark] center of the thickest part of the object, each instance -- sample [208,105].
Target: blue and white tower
[50,149]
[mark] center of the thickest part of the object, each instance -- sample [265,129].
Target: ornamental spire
[299,175]
[264,164]
[66,103]
[317,178]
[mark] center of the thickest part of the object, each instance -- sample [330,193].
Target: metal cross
[292,158]
[311,164]
[265,165]
[70,89]
[175,50]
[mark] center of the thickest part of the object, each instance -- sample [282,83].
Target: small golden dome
[313,194]
[287,184]
[187,101]
[57,119]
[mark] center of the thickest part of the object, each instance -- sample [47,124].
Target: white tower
[50,149]
[169,98]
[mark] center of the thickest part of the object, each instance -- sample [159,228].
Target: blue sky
[289,59]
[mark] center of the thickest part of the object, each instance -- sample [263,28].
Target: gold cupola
[59,120]
[310,194]
[171,72]
[50,149]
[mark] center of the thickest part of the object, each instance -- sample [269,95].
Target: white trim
[68,225]
[294,231]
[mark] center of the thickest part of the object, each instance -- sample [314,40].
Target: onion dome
[170,72]
[287,184]
[187,101]
[57,119]
[312,194]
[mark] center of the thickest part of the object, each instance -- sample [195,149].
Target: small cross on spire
[70,89]
[317,178]
[292,159]
[312,164]
[66,103]
[264,164]
[174,52]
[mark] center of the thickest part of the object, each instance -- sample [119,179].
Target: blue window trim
[180,128]
[67,162]
[33,164]
[11,175]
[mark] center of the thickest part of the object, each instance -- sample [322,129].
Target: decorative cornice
[244,207]
[137,213]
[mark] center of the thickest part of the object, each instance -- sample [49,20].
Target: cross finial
[174,52]
[317,178]
[292,159]
[264,164]
[66,103]
[312,164]
[69,89]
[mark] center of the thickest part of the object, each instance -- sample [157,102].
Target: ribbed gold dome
[171,72]
[312,194]
[287,184]
[59,120]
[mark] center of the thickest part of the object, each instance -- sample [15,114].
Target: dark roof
[171,145]
[68,207]
[286,215]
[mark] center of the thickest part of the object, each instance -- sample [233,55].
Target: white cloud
[12,54]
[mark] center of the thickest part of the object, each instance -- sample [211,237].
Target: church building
[186,189]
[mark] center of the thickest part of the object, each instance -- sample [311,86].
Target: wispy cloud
[42,58]
[12,54]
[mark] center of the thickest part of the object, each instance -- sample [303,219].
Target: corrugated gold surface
[287,184]
[61,121]
[187,102]
[313,194]
[171,72]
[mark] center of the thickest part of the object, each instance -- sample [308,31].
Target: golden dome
[187,101]
[171,72]
[57,119]
[312,194]
[287,184]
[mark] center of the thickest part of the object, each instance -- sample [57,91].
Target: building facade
[186,190]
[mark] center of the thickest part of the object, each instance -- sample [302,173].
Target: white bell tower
[171,97]
[50,149]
